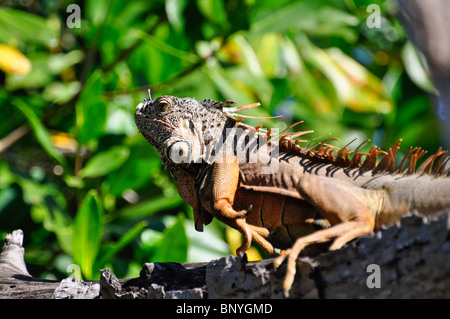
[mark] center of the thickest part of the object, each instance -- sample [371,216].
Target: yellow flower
[12,61]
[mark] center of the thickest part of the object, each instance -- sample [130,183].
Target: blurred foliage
[87,189]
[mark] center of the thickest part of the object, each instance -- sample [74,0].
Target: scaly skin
[291,196]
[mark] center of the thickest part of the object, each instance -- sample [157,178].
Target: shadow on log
[410,259]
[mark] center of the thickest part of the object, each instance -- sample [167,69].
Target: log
[410,259]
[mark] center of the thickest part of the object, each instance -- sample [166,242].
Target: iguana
[278,193]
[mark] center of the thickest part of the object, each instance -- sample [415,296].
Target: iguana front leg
[217,196]
[342,204]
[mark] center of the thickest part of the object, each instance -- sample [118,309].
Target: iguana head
[180,128]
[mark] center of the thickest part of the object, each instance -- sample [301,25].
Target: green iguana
[278,193]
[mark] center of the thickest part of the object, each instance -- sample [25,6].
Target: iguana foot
[341,233]
[242,213]
[339,202]
[250,233]
[242,226]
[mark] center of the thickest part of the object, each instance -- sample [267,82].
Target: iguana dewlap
[277,193]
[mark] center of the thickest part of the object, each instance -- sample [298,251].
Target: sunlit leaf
[359,89]
[106,161]
[27,27]
[60,92]
[214,10]
[225,85]
[109,251]
[40,131]
[314,17]
[87,233]
[135,172]
[173,245]
[206,245]
[165,47]
[44,67]
[91,109]
[59,62]
[146,208]
[414,67]
[119,119]
[355,86]
[175,14]
[97,11]
[161,55]
[288,16]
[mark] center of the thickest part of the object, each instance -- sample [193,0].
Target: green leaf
[54,220]
[214,10]
[175,13]
[291,15]
[165,47]
[173,245]
[207,245]
[61,92]
[87,233]
[44,67]
[109,251]
[91,109]
[146,208]
[355,86]
[97,11]
[106,161]
[415,69]
[225,85]
[136,171]
[39,130]
[315,17]
[119,118]
[17,24]
[59,62]
[39,76]
[7,196]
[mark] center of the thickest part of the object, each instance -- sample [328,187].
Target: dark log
[412,256]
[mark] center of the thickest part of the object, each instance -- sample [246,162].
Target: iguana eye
[179,152]
[163,104]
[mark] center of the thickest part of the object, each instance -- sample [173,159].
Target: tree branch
[412,258]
